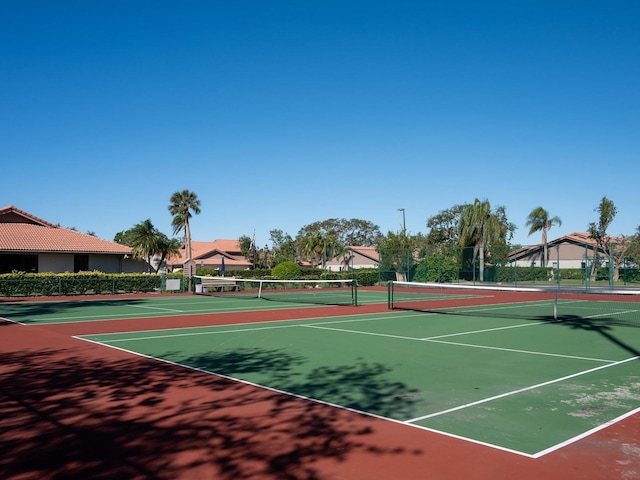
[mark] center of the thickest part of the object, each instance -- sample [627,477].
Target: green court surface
[127,308]
[523,386]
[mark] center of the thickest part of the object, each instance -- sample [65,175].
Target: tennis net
[322,292]
[621,307]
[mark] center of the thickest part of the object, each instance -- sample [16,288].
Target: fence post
[587,268]
[558,264]
[611,265]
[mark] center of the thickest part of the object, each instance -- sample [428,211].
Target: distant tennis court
[38,312]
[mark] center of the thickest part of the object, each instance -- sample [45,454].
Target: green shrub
[83,283]
[286,271]
[437,268]
[365,277]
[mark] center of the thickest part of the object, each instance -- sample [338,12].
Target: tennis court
[39,312]
[486,369]
[523,386]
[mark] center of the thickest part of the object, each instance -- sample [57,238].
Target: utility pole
[404,223]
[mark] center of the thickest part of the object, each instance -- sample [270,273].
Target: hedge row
[449,272]
[84,283]
[364,276]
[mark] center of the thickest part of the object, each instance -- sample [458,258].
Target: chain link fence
[579,265]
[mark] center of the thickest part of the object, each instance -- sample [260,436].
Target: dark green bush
[286,270]
[365,277]
[84,283]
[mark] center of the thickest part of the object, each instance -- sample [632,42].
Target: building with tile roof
[217,255]
[33,245]
[568,251]
[355,257]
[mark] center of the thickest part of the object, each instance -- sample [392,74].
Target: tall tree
[347,232]
[143,240]
[598,231]
[396,251]
[443,227]
[181,205]
[313,247]
[167,248]
[539,221]
[283,247]
[146,241]
[634,247]
[480,227]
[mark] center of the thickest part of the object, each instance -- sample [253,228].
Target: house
[212,255]
[33,245]
[569,251]
[354,258]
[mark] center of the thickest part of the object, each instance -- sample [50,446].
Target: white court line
[585,434]
[515,350]
[190,334]
[13,321]
[530,324]
[214,328]
[215,331]
[470,345]
[520,390]
[123,316]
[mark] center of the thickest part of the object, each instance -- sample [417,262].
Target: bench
[214,284]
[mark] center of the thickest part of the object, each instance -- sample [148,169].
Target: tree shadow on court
[29,313]
[364,386]
[602,326]
[89,412]
[277,362]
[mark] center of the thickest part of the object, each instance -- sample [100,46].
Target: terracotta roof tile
[11,214]
[231,246]
[200,250]
[27,237]
[369,252]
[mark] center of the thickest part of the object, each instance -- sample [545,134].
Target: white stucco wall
[64,262]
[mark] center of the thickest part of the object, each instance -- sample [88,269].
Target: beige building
[569,251]
[33,245]
[354,258]
[217,255]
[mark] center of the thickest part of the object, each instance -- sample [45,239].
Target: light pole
[404,223]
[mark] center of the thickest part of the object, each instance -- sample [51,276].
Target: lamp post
[404,223]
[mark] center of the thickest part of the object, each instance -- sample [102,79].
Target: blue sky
[278,114]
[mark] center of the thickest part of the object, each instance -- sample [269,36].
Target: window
[80,263]
[18,263]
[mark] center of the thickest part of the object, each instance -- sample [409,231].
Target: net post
[555,305]
[389,294]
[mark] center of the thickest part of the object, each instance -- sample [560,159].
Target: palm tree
[539,221]
[167,248]
[313,247]
[479,227]
[182,204]
[332,248]
[143,240]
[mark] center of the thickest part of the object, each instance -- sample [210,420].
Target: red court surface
[74,409]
